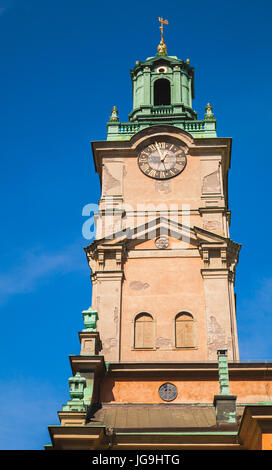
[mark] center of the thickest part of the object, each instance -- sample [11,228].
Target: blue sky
[64,65]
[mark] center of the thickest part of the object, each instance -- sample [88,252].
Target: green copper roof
[163,91]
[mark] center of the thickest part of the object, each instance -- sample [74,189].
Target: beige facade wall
[163,287]
[183,189]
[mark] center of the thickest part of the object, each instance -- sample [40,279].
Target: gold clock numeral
[152,172]
[152,147]
[178,166]
[181,161]
[162,145]
[180,157]
[145,167]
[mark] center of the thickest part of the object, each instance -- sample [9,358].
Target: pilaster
[219,262]
[107,276]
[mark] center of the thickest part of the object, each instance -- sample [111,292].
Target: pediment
[157,60]
[162,226]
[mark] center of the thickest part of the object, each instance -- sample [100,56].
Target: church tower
[162,322]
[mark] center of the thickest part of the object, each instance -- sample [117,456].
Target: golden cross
[162,21]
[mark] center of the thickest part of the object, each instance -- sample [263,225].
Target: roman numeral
[144,167]
[161,145]
[152,172]
[178,166]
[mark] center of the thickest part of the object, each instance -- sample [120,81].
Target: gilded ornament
[209,113]
[114,114]
[162,49]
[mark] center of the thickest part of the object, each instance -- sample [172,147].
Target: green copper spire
[163,90]
[163,93]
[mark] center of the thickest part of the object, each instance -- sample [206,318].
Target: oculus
[162,69]
[168,391]
[162,242]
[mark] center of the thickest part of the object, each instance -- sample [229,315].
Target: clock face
[162,160]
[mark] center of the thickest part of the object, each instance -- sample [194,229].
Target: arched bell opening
[162,92]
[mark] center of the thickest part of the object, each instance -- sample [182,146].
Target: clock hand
[159,150]
[164,165]
[163,162]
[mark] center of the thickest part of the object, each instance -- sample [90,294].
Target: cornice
[216,273]
[194,369]
[80,363]
[256,420]
[212,209]
[196,146]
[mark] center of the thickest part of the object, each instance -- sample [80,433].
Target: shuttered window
[185,330]
[144,331]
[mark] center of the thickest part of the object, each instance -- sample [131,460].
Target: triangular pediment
[158,59]
[161,226]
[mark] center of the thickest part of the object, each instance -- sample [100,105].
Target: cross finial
[162,49]
[162,21]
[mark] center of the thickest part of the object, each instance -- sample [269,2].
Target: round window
[168,391]
[162,69]
[162,242]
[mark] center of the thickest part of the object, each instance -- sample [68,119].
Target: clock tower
[163,265]
[163,309]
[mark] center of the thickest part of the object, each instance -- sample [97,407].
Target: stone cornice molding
[219,273]
[107,275]
[196,147]
[97,256]
[211,209]
[256,421]
[81,363]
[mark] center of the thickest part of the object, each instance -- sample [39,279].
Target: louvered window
[185,330]
[144,331]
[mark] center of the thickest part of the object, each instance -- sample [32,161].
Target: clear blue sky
[64,65]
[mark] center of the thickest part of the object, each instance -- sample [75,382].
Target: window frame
[193,322]
[153,322]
